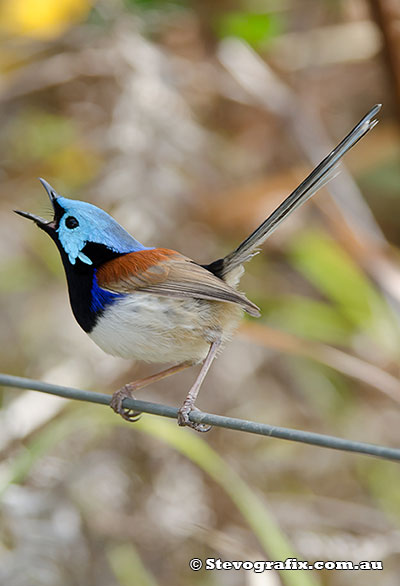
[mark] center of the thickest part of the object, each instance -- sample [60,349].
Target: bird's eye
[71,222]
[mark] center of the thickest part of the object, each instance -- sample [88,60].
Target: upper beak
[52,193]
[41,222]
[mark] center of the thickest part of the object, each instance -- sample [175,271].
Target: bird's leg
[127,390]
[188,403]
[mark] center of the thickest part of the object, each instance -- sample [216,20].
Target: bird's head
[84,234]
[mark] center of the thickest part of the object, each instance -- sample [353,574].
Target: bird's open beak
[41,222]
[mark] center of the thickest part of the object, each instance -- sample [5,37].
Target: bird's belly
[162,329]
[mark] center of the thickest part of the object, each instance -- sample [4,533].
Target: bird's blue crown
[83,223]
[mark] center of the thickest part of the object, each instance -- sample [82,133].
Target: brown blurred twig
[343,362]
[387,17]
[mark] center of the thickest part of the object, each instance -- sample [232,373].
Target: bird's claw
[116,404]
[183,419]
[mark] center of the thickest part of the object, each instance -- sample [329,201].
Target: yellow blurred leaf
[41,19]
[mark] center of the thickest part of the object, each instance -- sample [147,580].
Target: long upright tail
[311,184]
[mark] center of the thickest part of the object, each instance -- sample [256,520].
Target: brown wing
[168,273]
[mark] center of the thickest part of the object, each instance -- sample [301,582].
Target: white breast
[158,329]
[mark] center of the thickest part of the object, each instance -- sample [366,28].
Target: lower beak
[41,222]
[37,219]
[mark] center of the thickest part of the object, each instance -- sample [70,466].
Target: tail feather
[323,173]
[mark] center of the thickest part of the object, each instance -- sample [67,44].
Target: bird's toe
[116,404]
[184,421]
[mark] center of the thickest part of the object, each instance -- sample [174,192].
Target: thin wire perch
[295,435]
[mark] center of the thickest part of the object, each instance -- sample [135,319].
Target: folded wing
[167,273]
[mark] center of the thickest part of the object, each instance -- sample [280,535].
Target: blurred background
[189,122]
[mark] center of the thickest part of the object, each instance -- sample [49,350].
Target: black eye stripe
[71,222]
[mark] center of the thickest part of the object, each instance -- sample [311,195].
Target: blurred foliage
[54,139]
[155,4]
[255,29]
[128,567]
[338,278]
[256,514]
[169,115]
[312,319]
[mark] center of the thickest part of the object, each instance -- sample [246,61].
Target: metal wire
[305,437]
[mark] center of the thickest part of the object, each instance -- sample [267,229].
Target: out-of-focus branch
[347,364]
[321,46]
[305,437]
[387,17]
[56,70]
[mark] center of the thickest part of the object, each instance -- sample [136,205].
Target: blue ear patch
[73,241]
[93,225]
[83,258]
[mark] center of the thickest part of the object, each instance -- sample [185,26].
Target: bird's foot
[183,419]
[116,403]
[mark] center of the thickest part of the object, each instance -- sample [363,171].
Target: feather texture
[167,273]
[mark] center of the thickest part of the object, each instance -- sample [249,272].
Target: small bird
[155,304]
